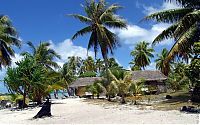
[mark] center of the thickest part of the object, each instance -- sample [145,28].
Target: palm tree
[89,64]
[96,88]
[136,88]
[121,85]
[134,67]
[165,68]
[99,17]
[112,63]
[8,38]
[184,29]
[142,54]
[44,55]
[74,64]
[99,65]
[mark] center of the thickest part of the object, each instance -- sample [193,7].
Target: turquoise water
[60,95]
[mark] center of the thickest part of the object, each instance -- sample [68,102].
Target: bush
[88,74]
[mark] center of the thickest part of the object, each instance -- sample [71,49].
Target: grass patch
[156,102]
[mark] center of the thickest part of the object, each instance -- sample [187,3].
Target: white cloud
[134,34]
[67,49]
[152,66]
[14,59]
[17,57]
[165,6]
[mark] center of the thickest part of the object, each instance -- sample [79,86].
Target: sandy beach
[75,111]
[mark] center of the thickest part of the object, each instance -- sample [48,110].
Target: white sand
[74,111]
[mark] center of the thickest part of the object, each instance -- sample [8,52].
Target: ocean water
[60,95]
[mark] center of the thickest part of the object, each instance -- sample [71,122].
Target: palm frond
[111,9]
[82,18]
[30,44]
[166,34]
[184,43]
[187,21]
[169,16]
[82,32]
[116,24]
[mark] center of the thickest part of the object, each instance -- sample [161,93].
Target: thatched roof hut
[148,75]
[80,82]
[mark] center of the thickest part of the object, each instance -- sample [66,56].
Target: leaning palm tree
[184,27]
[164,68]
[99,17]
[142,54]
[8,38]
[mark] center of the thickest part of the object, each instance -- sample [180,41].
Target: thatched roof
[85,81]
[148,75]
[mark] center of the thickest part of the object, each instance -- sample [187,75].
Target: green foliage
[160,62]
[88,74]
[194,71]
[44,55]
[177,79]
[89,64]
[74,64]
[136,88]
[96,88]
[8,39]
[184,28]
[33,76]
[134,67]
[117,71]
[99,17]
[142,54]
[120,83]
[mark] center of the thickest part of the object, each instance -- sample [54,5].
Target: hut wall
[81,91]
[160,85]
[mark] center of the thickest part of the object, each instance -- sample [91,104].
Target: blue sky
[47,20]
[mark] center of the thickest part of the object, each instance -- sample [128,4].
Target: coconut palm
[44,55]
[96,88]
[121,85]
[74,64]
[184,27]
[99,17]
[8,38]
[99,65]
[135,88]
[134,67]
[164,68]
[112,63]
[89,64]
[142,54]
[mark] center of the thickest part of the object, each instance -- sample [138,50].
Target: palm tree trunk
[109,99]
[123,99]
[24,98]
[135,103]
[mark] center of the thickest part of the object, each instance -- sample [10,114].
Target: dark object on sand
[21,104]
[190,109]
[45,110]
[196,94]
[168,97]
